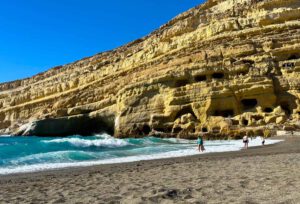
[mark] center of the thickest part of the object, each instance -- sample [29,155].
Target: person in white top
[245,141]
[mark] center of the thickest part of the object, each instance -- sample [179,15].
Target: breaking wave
[80,142]
[31,154]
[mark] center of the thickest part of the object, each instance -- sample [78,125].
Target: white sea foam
[211,146]
[78,142]
[57,156]
[104,136]
[177,140]
[5,136]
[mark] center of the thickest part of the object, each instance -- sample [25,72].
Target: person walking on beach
[245,141]
[200,144]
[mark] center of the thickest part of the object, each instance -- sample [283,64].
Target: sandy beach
[269,174]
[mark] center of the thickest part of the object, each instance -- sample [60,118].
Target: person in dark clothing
[245,141]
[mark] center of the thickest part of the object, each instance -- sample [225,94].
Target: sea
[32,154]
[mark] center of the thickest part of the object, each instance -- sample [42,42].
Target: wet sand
[269,174]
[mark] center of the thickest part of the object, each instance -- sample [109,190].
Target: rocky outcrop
[224,68]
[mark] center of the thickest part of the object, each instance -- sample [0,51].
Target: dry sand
[270,174]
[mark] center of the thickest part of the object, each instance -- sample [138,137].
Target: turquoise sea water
[28,154]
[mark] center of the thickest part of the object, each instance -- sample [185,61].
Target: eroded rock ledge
[224,68]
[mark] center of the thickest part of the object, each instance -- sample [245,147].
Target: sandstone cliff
[227,67]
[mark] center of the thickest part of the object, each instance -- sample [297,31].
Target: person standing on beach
[200,144]
[245,141]
[263,141]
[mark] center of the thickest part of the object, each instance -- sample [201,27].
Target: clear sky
[36,35]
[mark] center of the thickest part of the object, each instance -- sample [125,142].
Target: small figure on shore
[263,141]
[200,143]
[245,141]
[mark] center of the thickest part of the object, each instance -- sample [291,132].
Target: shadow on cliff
[78,125]
[285,100]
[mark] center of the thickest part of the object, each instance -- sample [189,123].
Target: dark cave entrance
[184,111]
[245,122]
[204,129]
[200,78]
[218,75]
[249,103]
[268,110]
[181,82]
[294,57]
[146,129]
[177,130]
[159,129]
[288,65]
[257,117]
[80,125]
[224,113]
[286,107]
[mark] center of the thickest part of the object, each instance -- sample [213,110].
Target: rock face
[224,68]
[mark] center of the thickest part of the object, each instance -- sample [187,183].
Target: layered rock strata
[224,68]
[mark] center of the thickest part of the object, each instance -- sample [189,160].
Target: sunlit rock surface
[225,68]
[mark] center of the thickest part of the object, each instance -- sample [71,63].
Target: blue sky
[36,35]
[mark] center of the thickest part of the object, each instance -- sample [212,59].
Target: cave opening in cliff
[286,107]
[249,103]
[224,113]
[288,65]
[218,75]
[81,125]
[184,111]
[245,122]
[181,82]
[200,78]
[257,117]
[294,57]
[146,129]
[204,129]
[177,130]
[89,126]
[193,130]
[169,129]
[268,110]
[159,129]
